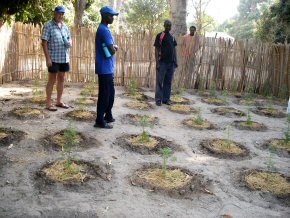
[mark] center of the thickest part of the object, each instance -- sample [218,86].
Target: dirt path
[24,195]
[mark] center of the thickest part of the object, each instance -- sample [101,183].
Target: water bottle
[106,50]
[288,108]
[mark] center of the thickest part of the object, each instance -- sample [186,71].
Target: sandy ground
[21,196]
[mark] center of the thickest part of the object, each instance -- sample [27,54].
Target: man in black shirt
[166,62]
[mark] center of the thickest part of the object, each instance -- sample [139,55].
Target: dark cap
[60,9]
[108,10]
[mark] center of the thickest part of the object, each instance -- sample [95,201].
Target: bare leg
[49,88]
[60,86]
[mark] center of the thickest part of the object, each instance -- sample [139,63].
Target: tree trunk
[79,6]
[178,16]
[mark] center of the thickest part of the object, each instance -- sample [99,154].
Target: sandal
[62,105]
[51,108]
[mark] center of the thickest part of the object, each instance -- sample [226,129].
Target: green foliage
[287,131]
[226,143]
[144,122]
[166,153]
[146,15]
[133,87]
[71,139]
[267,88]
[36,87]
[249,117]
[271,166]
[199,119]
[176,90]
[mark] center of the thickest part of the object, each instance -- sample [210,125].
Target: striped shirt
[53,34]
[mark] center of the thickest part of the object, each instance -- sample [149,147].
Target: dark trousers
[164,78]
[106,98]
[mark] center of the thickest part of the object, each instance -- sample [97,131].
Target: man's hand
[116,47]
[48,62]
[157,66]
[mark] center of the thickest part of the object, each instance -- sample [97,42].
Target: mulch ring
[269,112]
[82,115]
[267,182]
[228,111]
[138,105]
[58,140]
[176,182]
[8,136]
[137,96]
[85,101]
[224,148]
[248,102]
[28,113]
[181,109]
[215,101]
[132,142]
[136,118]
[38,100]
[254,126]
[278,146]
[71,172]
[177,99]
[193,123]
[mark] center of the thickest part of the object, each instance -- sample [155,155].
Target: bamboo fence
[220,64]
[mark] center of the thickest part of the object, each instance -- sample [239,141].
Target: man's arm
[45,50]
[157,57]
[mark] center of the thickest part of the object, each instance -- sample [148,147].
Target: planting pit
[8,136]
[228,112]
[269,112]
[28,113]
[86,101]
[194,123]
[134,143]
[268,182]
[176,182]
[181,109]
[138,105]
[136,118]
[253,126]
[215,101]
[224,148]
[177,99]
[82,115]
[279,146]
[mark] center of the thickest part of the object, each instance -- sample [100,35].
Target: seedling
[199,120]
[249,118]
[132,87]
[250,92]
[166,153]
[271,166]
[71,138]
[91,88]
[287,131]
[212,90]
[36,87]
[270,102]
[176,90]
[144,122]
[227,143]
[225,94]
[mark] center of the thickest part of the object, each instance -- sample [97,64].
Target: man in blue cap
[104,67]
[56,41]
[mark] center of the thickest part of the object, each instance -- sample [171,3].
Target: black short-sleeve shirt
[166,48]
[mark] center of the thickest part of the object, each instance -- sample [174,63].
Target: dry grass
[136,95]
[215,101]
[174,179]
[247,102]
[61,171]
[137,141]
[229,110]
[137,104]
[226,147]
[252,124]
[82,114]
[180,108]
[178,99]
[194,123]
[38,99]
[60,140]
[86,101]
[27,111]
[270,111]
[3,135]
[280,143]
[268,182]
[137,118]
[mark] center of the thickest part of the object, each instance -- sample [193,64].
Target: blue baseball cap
[109,10]
[60,9]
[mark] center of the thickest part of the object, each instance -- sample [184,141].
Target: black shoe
[158,103]
[167,102]
[110,120]
[104,126]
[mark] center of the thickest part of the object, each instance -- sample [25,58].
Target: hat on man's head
[109,10]
[60,9]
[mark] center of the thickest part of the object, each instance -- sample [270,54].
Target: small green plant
[249,92]
[227,142]
[144,122]
[270,102]
[249,118]
[133,87]
[199,119]
[287,131]
[36,87]
[176,90]
[212,90]
[271,166]
[166,153]
[71,138]
[91,88]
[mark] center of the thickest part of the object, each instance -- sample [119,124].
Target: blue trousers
[164,77]
[105,98]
